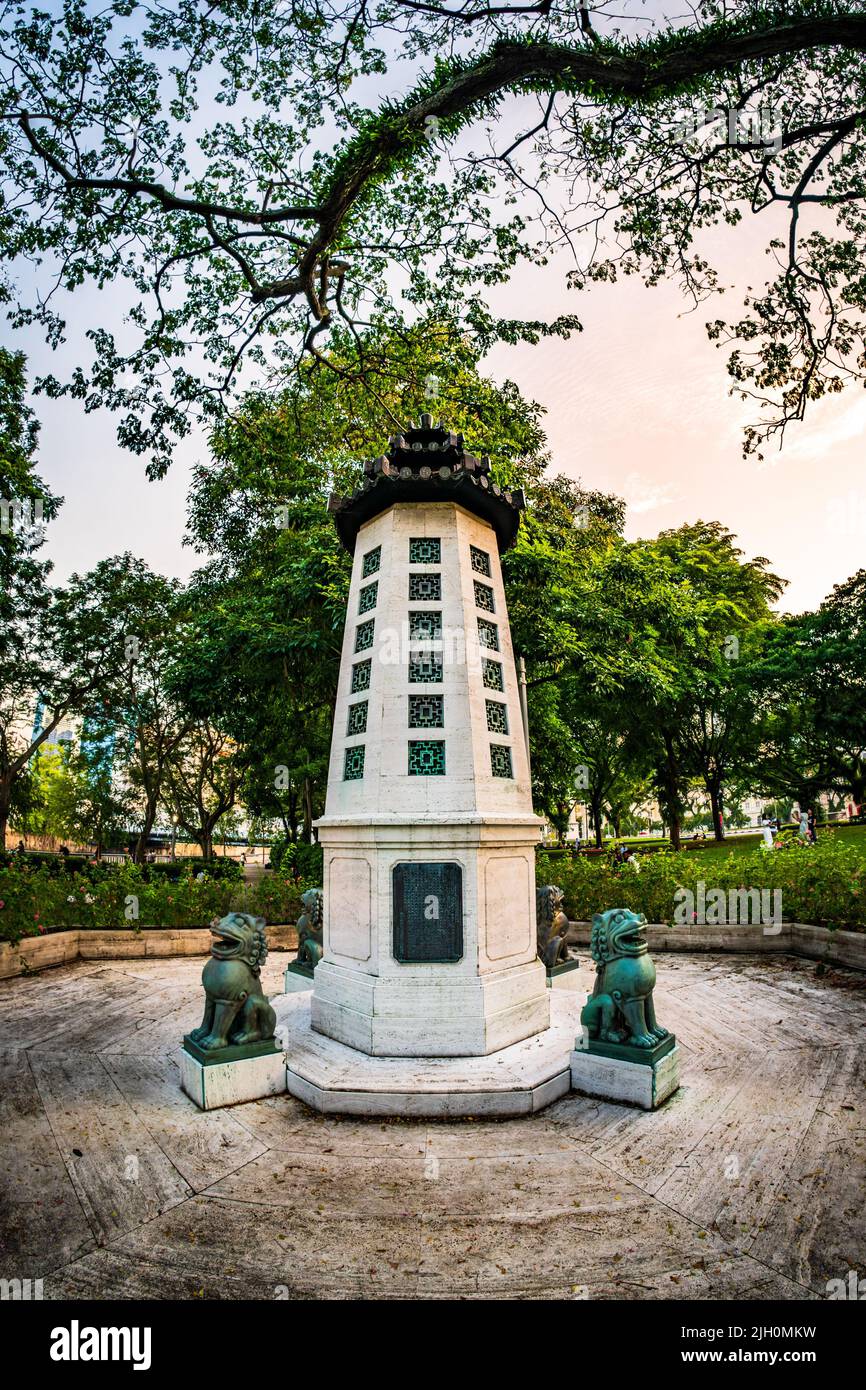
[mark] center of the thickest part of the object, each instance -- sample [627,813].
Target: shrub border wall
[34,953]
[833,946]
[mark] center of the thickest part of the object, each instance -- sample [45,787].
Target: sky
[637,404]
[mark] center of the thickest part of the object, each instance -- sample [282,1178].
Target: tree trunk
[671,789]
[716,806]
[595,807]
[5,806]
[308,811]
[149,822]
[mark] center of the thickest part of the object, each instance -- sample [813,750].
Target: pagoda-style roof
[428,463]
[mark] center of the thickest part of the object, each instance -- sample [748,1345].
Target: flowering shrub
[824,884]
[277,896]
[35,900]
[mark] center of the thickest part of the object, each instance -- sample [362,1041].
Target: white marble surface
[293,983]
[612,1079]
[230,1083]
[516,1080]
[386,788]
[495,995]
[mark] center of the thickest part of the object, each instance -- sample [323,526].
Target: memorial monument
[429,837]
[432,978]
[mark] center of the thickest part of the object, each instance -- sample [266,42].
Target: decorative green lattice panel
[426,588]
[484,597]
[500,760]
[357,720]
[364,635]
[425,627]
[361,676]
[488,635]
[425,668]
[497,716]
[426,757]
[480,560]
[423,550]
[353,766]
[372,561]
[367,597]
[426,711]
[491,674]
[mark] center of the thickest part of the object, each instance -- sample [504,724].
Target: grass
[853,835]
[713,850]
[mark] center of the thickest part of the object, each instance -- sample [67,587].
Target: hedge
[36,901]
[823,884]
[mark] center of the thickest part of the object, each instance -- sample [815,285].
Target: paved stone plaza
[749,1183]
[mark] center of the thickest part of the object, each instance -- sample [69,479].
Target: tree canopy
[261,173]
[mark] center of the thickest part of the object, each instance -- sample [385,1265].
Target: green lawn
[849,834]
[854,835]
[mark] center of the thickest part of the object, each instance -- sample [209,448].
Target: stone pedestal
[493,995]
[214,1084]
[517,1080]
[637,1083]
[297,977]
[565,976]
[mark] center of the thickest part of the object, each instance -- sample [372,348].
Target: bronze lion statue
[620,1008]
[310,928]
[236,1012]
[551,925]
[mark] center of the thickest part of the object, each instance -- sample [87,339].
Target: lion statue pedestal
[623,1053]
[233,1055]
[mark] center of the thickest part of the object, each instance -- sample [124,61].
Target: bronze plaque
[428,913]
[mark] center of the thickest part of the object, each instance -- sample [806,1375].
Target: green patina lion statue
[620,1008]
[310,928]
[551,925]
[236,1011]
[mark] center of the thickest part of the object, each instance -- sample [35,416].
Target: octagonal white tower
[428,834]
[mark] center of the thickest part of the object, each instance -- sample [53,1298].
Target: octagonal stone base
[431,1011]
[517,1080]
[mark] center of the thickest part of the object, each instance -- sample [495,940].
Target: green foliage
[36,900]
[815,738]
[252,178]
[302,862]
[823,883]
